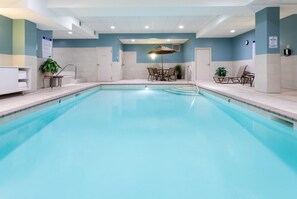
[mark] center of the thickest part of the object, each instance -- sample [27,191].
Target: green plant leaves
[221,72]
[49,65]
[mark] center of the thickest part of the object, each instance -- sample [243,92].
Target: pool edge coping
[44,101]
[19,111]
[292,117]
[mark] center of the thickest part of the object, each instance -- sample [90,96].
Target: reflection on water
[280,139]
[146,144]
[16,132]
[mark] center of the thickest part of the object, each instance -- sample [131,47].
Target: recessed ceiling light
[232,31]
[181,27]
[133,40]
[146,27]
[70,33]
[168,39]
[112,27]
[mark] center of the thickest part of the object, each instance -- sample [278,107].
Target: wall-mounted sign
[47,47]
[273,42]
[254,49]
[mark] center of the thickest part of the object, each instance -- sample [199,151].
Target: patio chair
[171,74]
[153,74]
[232,80]
[248,78]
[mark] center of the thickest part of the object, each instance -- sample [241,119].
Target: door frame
[97,49]
[196,65]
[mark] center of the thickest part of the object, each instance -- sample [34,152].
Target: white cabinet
[24,79]
[13,79]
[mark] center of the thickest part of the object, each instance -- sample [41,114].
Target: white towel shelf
[14,79]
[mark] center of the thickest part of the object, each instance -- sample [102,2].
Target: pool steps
[71,80]
[186,90]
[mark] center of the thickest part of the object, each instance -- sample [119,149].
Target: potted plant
[49,67]
[221,72]
[178,70]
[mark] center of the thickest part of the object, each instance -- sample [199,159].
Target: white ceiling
[87,18]
[153,41]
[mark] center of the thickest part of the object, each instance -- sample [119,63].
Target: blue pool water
[146,144]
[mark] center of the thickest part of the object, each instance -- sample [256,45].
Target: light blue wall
[267,24]
[40,34]
[30,38]
[5,35]
[221,48]
[113,41]
[143,57]
[240,50]
[288,34]
[188,51]
[24,37]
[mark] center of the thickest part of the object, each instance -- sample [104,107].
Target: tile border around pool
[15,113]
[141,86]
[266,111]
[36,106]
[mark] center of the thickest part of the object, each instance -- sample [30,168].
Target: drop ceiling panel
[151,3]
[137,24]
[153,41]
[131,16]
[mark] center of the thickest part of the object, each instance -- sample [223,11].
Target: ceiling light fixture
[181,27]
[70,33]
[153,56]
[112,27]
[232,31]
[133,40]
[168,39]
[146,27]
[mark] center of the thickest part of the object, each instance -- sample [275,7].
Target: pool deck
[284,103]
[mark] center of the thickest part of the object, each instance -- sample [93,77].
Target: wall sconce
[287,51]
[153,56]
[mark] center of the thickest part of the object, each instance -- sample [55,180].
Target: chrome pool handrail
[75,70]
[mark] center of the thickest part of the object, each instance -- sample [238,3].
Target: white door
[202,64]
[104,63]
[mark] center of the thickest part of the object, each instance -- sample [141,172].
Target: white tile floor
[284,103]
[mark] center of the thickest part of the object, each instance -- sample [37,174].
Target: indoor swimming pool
[146,144]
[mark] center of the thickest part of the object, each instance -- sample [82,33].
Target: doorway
[202,62]
[104,63]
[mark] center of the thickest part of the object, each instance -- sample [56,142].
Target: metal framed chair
[171,74]
[153,74]
[232,80]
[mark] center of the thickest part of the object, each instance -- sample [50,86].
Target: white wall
[5,60]
[84,58]
[190,73]
[134,70]
[117,68]
[86,61]
[289,72]
[40,75]
[30,62]
[215,64]
[250,63]
[268,77]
